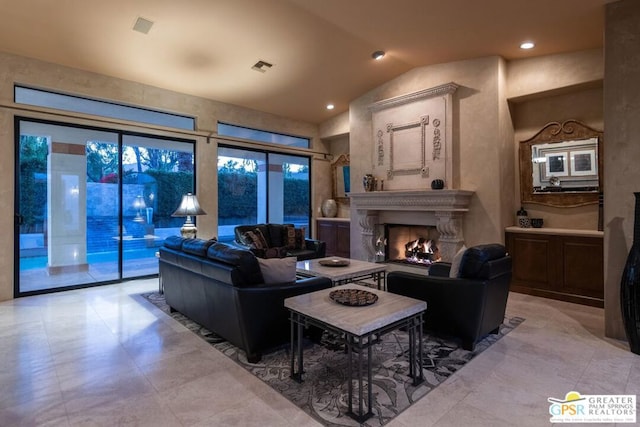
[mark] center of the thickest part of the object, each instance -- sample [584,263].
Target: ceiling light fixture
[378,55]
[330,106]
[527,45]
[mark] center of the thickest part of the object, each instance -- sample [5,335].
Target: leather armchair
[467,307]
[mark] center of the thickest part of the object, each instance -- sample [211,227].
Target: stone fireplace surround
[443,209]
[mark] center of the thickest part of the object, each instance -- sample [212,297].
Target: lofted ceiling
[320,49]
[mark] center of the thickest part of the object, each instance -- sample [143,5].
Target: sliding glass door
[93,205]
[258,187]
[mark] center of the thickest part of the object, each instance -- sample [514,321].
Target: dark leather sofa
[221,288]
[469,306]
[275,237]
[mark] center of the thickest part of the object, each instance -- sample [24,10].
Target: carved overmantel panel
[447,209]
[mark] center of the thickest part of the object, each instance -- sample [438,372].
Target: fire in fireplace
[411,244]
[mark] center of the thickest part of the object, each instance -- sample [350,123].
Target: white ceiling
[321,49]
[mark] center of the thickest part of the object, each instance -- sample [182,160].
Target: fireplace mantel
[414,200]
[448,207]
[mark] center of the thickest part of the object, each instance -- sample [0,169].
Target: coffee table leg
[349,372]
[369,379]
[420,373]
[296,323]
[360,410]
[415,370]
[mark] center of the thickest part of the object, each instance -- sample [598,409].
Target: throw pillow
[289,237]
[255,239]
[300,236]
[455,263]
[280,252]
[278,270]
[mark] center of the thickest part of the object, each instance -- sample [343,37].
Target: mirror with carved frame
[561,165]
[340,177]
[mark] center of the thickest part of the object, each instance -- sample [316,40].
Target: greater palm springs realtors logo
[606,408]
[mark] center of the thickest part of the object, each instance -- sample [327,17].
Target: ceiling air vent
[142,25]
[261,66]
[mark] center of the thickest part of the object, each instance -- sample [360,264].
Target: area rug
[323,394]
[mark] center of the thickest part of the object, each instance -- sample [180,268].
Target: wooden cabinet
[336,234]
[567,265]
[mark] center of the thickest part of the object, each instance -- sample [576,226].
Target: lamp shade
[189,206]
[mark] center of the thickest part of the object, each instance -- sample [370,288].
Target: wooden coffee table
[361,327]
[340,275]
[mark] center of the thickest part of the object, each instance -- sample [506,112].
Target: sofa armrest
[318,246]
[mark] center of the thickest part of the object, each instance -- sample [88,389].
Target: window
[48,99]
[94,204]
[261,135]
[259,187]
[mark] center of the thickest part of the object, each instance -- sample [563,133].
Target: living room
[498,104]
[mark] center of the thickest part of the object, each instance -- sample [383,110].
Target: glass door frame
[121,134]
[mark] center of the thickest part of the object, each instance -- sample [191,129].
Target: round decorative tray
[353,297]
[334,262]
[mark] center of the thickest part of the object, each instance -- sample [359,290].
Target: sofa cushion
[278,270]
[197,247]
[475,258]
[246,271]
[276,234]
[174,242]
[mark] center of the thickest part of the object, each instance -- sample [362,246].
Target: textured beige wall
[335,126]
[532,77]
[531,115]
[622,149]
[481,145]
[15,69]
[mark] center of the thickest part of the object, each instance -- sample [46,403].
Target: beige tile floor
[104,357]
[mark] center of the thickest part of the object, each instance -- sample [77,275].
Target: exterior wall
[622,148]
[478,148]
[16,69]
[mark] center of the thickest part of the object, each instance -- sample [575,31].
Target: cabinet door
[327,233]
[343,236]
[534,260]
[583,266]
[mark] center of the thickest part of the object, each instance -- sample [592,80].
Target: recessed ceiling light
[378,55]
[330,106]
[527,45]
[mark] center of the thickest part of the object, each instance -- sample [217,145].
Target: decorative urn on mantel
[443,209]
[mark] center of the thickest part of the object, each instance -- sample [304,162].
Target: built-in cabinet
[556,263]
[335,232]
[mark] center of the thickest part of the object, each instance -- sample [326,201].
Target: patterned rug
[323,394]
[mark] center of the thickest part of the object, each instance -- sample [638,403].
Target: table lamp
[189,207]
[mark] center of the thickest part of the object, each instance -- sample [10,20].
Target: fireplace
[442,209]
[411,244]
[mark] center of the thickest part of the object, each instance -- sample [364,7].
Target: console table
[361,327]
